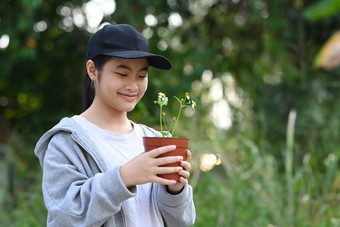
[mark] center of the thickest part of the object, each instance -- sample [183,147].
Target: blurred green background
[264,136]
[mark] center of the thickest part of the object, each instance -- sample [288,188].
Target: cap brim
[155,60]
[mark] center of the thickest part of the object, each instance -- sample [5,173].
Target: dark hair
[89,92]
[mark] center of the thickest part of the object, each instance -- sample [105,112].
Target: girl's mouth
[128,97]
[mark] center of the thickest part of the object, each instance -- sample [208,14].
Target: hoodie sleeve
[177,210]
[75,193]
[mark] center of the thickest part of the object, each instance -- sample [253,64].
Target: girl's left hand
[177,188]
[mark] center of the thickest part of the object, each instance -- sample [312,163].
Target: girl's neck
[113,121]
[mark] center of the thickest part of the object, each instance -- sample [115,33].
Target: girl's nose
[132,85]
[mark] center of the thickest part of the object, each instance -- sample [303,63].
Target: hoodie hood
[66,125]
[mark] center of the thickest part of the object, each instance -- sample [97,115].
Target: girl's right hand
[145,167]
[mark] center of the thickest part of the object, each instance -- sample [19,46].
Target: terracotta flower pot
[182,145]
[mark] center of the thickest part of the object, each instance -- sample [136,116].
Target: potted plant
[167,138]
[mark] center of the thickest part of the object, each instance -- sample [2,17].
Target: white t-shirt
[116,150]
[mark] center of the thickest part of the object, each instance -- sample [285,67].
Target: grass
[249,189]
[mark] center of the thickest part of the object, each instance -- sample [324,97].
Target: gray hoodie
[79,190]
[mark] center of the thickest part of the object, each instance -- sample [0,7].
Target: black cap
[123,41]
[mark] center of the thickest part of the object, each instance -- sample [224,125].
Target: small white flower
[193,104]
[187,95]
[165,99]
[161,95]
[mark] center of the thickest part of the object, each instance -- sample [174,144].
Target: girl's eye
[122,74]
[142,77]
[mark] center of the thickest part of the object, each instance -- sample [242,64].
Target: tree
[248,64]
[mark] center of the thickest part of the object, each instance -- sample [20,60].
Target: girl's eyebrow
[129,68]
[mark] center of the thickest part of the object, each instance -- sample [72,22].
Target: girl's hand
[145,167]
[177,188]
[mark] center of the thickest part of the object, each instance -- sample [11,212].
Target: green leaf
[322,9]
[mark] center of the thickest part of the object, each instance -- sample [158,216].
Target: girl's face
[122,83]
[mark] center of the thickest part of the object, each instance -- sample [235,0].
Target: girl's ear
[91,70]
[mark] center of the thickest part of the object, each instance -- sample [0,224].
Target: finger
[186,165]
[168,160]
[164,181]
[185,174]
[161,150]
[183,180]
[165,170]
[188,155]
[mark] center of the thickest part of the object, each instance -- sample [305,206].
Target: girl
[95,170]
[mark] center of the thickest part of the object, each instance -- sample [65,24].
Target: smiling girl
[95,170]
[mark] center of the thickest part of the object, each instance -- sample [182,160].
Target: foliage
[248,62]
[322,9]
[247,190]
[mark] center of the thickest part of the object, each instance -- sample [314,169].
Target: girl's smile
[128,97]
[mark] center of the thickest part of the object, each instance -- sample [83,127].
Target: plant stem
[160,118]
[179,114]
[289,166]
